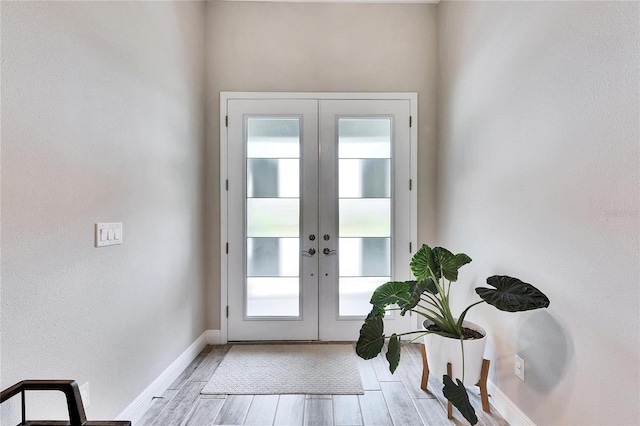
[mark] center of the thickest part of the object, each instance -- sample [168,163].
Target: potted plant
[428,295]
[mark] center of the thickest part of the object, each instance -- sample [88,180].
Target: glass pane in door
[364,216]
[272,217]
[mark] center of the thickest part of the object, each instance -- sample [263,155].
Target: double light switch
[108,234]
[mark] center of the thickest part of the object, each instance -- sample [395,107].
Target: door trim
[412,97]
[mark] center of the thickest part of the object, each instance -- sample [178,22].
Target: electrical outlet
[84,394]
[518,367]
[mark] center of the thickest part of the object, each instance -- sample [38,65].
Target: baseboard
[507,408]
[213,337]
[139,406]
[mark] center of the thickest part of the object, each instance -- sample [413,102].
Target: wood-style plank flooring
[389,399]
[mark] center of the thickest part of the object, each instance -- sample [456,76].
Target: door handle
[310,252]
[328,252]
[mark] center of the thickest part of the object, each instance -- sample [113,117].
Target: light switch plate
[108,234]
[518,367]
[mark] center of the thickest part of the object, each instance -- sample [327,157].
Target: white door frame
[412,97]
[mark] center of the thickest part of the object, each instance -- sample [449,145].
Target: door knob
[328,252]
[310,252]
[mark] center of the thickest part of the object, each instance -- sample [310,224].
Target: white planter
[442,350]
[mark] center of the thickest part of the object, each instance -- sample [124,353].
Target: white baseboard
[507,408]
[213,337]
[139,406]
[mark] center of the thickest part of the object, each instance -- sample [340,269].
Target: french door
[318,213]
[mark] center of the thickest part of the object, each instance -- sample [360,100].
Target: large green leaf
[439,261]
[429,286]
[416,289]
[392,292]
[450,270]
[457,395]
[377,312]
[393,353]
[423,262]
[371,338]
[512,295]
[415,292]
[448,263]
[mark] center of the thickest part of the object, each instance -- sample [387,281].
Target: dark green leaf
[416,289]
[512,295]
[430,286]
[461,259]
[423,262]
[457,395]
[437,261]
[415,293]
[393,353]
[376,312]
[371,338]
[442,257]
[448,263]
[392,292]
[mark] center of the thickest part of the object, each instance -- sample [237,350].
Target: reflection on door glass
[273,138]
[365,217]
[364,138]
[365,257]
[273,177]
[364,178]
[355,294]
[273,297]
[272,257]
[364,211]
[272,217]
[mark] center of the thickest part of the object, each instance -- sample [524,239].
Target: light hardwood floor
[389,399]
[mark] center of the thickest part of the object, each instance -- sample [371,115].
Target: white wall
[102,121]
[539,179]
[319,48]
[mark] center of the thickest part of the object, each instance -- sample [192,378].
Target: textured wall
[539,179]
[102,121]
[319,48]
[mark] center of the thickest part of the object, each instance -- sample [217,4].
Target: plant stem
[438,304]
[416,338]
[430,301]
[411,332]
[435,318]
[464,313]
[451,322]
[428,310]
[462,347]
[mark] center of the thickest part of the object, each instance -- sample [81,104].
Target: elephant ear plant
[428,295]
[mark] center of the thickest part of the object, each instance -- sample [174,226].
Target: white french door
[319,212]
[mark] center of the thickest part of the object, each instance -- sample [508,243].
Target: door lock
[326,237]
[312,237]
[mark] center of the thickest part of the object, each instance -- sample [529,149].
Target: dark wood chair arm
[70,388]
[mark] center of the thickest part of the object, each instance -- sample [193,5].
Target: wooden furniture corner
[482,383]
